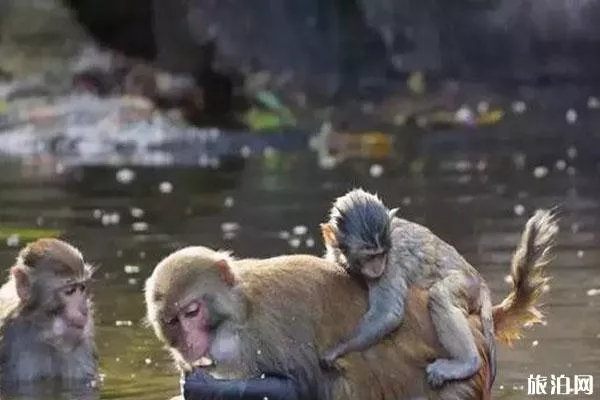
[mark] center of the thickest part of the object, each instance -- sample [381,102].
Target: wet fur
[26,355]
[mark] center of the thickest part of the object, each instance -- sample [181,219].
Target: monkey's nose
[78,321]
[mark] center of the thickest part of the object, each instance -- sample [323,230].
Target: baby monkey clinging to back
[391,253]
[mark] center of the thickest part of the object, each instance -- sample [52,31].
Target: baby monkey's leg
[449,301]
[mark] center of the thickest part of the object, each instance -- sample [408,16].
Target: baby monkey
[391,254]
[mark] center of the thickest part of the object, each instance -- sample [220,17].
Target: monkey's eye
[82,287]
[70,290]
[172,321]
[191,310]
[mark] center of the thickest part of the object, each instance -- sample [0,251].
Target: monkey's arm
[386,311]
[201,386]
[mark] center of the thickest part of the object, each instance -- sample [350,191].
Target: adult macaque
[265,322]
[47,329]
[391,254]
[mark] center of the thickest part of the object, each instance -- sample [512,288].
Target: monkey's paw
[327,360]
[438,372]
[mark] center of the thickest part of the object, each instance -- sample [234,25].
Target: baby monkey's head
[357,235]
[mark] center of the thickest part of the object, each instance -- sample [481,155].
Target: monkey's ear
[22,282]
[225,272]
[328,235]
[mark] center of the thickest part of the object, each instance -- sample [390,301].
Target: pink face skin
[74,323]
[188,329]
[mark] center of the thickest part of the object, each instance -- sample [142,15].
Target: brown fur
[286,310]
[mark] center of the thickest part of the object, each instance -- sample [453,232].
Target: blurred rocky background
[275,66]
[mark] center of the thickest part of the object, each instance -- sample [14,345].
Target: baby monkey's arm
[386,311]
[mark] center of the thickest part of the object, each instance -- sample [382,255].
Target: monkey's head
[190,295]
[357,235]
[51,278]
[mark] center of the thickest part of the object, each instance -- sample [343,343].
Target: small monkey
[391,254]
[46,323]
[270,318]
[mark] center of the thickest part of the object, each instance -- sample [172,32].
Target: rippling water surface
[476,191]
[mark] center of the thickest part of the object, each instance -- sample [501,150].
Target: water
[257,206]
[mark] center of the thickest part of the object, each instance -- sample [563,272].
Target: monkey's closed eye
[71,289]
[191,310]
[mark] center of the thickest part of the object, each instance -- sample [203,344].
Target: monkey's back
[435,257]
[319,304]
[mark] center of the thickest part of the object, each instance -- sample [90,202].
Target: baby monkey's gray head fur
[361,225]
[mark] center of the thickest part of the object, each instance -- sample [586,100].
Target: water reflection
[272,203]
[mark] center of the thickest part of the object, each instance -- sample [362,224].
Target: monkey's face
[67,315]
[188,329]
[365,261]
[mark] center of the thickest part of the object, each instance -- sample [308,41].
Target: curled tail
[520,308]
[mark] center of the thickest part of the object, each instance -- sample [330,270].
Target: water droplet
[123,323]
[593,102]
[13,240]
[535,343]
[376,170]
[519,209]
[508,279]
[540,172]
[139,226]
[310,242]
[269,151]
[571,152]
[300,230]
[259,352]
[137,212]
[519,107]
[571,171]
[142,254]
[245,151]
[131,269]
[111,219]
[228,202]
[97,214]
[125,176]
[574,227]
[148,361]
[165,187]
[483,107]
[580,254]
[132,281]
[229,226]
[295,242]
[284,235]
[561,165]
[262,376]
[327,162]
[406,201]
[464,114]
[593,292]
[571,116]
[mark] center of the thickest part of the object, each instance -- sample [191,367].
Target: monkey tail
[487,325]
[520,308]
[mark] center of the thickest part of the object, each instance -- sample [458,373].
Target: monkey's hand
[201,386]
[328,358]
